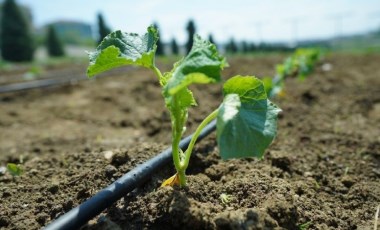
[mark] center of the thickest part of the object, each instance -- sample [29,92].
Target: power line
[338,21]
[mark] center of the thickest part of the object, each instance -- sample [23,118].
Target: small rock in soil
[6,194]
[348,181]
[2,170]
[4,221]
[41,218]
[110,170]
[108,154]
[33,172]
[68,205]
[282,162]
[120,158]
[53,188]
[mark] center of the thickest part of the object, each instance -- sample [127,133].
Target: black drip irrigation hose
[43,83]
[80,215]
[52,82]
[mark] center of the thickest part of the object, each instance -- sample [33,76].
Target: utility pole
[338,21]
[259,27]
[294,23]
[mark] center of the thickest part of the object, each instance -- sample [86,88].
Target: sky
[251,20]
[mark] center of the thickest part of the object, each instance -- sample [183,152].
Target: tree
[104,30]
[191,31]
[17,43]
[244,47]
[252,47]
[211,39]
[53,43]
[160,46]
[231,47]
[174,47]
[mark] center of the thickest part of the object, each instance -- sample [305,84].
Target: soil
[321,172]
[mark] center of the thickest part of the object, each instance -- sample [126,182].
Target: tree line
[17,43]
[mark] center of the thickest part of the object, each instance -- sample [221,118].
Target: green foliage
[305,226]
[307,58]
[120,49]
[17,44]
[201,65]
[268,84]
[53,43]
[102,28]
[14,169]
[191,32]
[301,63]
[246,120]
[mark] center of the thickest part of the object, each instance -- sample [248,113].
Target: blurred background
[67,28]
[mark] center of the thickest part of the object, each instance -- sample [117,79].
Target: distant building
[73,32]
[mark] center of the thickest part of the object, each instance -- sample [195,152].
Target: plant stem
[208,119]
[158,74]
[178,118]
[176,133]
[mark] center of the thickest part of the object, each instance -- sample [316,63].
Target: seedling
[225,198]
[14,169]
[301,63]
[246,119]
[305,226]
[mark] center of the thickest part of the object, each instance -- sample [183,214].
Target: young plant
[246,119]
[301,63]
[14,169]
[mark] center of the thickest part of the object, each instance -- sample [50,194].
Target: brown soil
[321,172]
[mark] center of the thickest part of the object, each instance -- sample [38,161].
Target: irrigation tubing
[80,215]
[52,82]
[43,83]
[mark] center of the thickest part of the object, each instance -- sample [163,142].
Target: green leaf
[268,84]
[202,65]
[247,120]
[247,87]
[185,98]
[120,49]
[14,169]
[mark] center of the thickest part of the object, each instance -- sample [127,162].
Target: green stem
[176,133]
[158,74]
[182,178]
[178,118]
[208,119]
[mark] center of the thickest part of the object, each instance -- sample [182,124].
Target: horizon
[295,21]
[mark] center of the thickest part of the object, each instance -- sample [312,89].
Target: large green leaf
[202,65]
[247,120]
[119,49]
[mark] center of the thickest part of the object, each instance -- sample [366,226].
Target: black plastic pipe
[53,82]
[80,215]
[43,83]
